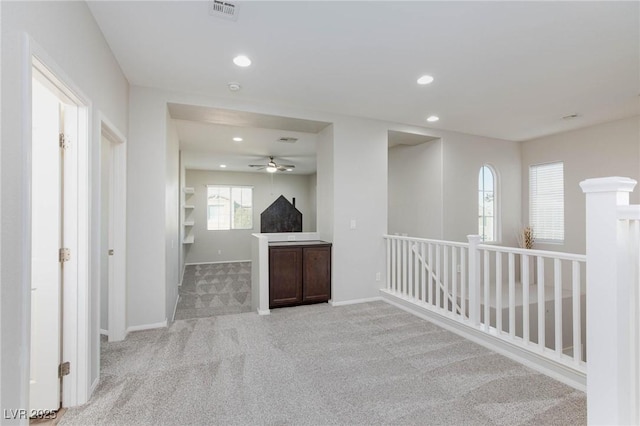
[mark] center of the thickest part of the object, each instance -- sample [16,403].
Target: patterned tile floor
[214,289]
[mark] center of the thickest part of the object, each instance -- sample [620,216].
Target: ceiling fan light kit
[272,167]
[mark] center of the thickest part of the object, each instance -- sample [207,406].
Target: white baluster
[430,277]
[445,281]
[474,279]
[389,261]
[410,256]
[404,267]
[424,273]
[557,289]
[454,280]
[437,280]
[541,303]
[463,282]
[525,298]
[487,290]
[577,322]
[512,295]
[499,292]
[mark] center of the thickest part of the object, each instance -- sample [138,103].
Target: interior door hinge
[65,255]
[64,143]
[64,369]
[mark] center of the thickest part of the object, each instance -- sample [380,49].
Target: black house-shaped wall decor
[281,216]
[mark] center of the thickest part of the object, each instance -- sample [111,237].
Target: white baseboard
[104,332]
[355,301]
[215,263]
[175,308]
[162,324]
[264,312]
[536,362]
[93,387]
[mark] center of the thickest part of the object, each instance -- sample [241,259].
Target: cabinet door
[316,274]
[285,276]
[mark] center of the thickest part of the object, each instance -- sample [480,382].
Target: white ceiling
[509,70]
[206,146]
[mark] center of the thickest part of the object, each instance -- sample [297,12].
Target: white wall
[324,183]
[236,244]
[359,195]
[173,244]
[463,157]
[313,202]
[351,184]
[609,149]
[146,208]
[67,32]
[415,190]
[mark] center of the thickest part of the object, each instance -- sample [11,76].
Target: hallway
[359,364]
[214,289]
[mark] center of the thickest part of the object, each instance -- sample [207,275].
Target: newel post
[474,279]
[608,308]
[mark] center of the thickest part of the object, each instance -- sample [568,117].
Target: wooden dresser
[299,273]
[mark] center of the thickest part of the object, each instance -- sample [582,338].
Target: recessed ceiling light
[425,79]
[223,166]
[234,87]
[242,61]
[433,118]
[237,139]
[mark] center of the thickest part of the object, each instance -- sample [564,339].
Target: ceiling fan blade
[287,166]
[259,166]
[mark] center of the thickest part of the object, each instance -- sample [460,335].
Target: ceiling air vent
[224,9]
[286,139]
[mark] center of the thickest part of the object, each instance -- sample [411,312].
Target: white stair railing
[448,294]
[530,304]
[532,300]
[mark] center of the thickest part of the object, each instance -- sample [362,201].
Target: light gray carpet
[318,365]
[214,289]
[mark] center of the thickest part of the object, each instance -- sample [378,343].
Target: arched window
[487,204]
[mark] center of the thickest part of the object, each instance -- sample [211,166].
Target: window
[229,207]
[486,204]
[546,201]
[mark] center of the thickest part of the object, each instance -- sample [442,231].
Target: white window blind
[546,201]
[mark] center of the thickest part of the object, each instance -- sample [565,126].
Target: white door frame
[118,223]
[77,292]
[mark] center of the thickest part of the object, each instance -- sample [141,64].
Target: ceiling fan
[272,167]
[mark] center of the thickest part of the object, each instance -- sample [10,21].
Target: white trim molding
[355,301]
[76,342]
[143,327]
[117,285]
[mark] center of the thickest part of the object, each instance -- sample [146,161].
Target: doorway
[112,309]
[56,167]
[54,126]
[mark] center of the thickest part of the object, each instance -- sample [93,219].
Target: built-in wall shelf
[188,221]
